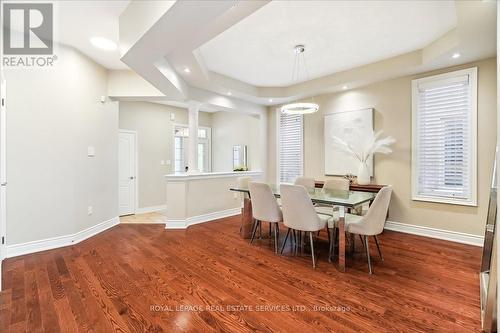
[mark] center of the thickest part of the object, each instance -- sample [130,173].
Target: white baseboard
[15,250]
[152,209]
[183,224]
[452,236]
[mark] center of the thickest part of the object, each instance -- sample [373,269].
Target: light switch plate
[168,162]
[172,116]
[90,151]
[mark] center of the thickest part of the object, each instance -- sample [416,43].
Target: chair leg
[378,248]
[284,242]
[367,247]
[302,241]
[294,238]
[331,240]
[275,238]
[336,245]
[362,241]
[328,233]
[254,230]
[299,248]
[312,249]
[270,230]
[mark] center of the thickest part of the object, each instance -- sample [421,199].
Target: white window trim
[278,147]
[209,132]
[472,72]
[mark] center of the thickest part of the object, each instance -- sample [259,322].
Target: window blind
[290,147]
[445,137]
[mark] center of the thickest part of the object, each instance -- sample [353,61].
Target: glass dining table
[344,200]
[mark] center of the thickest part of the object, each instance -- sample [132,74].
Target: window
[290,151]
[180,161]
[444,139]
[181,135]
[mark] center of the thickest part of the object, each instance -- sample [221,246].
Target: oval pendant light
[299,107]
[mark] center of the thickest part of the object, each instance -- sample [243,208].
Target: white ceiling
[338,35]
[77,21]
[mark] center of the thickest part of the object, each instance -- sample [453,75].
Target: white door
[127,172]
[3,174]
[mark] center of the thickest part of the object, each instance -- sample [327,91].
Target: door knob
[131,177]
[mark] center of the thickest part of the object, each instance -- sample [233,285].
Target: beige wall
[53,115]
[194,197]
[155,143]
[392,103]
[230,129]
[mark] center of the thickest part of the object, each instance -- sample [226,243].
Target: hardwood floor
[147,218]
[135,278]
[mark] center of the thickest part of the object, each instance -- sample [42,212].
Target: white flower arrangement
[369,143]
[365,145]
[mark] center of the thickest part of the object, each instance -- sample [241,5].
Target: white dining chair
[337,183]
[299,214]
[308,183]
[265,208]
[334,184]
[371,224]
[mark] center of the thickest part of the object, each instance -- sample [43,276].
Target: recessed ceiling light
[103,43]
[187,70]
[344,87]
[455,55]
[229,93]
[270,100]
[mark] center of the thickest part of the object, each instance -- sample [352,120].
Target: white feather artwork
[367,144]
[348,126]
[350,144]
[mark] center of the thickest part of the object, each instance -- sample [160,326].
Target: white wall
[155,143]
[53,115]
[230,129]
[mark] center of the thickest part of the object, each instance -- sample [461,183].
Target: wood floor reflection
[143,278]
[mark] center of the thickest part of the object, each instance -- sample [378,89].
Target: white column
[194,108]
[264,142]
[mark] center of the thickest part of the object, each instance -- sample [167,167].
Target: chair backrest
[337,183]
[298,209]
[308,183]
[264,204]
[242,182]
[374,220]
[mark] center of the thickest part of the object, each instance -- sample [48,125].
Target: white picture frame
[345,125]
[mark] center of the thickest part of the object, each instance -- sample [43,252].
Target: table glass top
[332,197]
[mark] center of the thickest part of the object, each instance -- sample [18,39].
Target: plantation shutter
[444,152]
[290,147]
